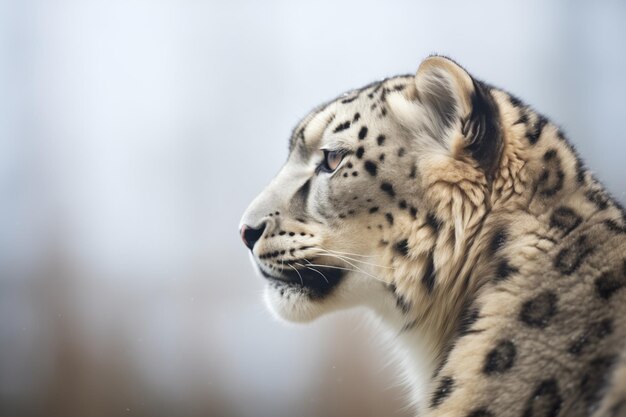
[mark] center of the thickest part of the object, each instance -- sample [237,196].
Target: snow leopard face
[351,189]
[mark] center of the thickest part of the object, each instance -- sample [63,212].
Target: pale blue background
[134,133]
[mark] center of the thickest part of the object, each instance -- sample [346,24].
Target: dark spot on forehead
[389,218]
[363,133]
[371,167]
[359,152]
[380,140]
[342,126]
[401,152]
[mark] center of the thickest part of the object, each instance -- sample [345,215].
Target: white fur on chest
[413,350]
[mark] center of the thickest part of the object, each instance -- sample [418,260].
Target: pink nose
[250,235]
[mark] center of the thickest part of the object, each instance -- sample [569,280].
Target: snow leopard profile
[468,223]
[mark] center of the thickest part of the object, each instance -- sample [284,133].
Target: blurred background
[133,134]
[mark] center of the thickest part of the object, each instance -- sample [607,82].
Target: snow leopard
[467,222]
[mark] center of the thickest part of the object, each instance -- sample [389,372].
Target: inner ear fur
[454,98]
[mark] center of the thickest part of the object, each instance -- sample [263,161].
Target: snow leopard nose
[250,235]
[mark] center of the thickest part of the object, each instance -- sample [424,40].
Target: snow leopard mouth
[316,282]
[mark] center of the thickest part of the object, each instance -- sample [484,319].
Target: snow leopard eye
[331,161]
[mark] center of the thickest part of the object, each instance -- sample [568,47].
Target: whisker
[348,253]
[334,267]
[363,262]
[349,263]
[351,270]
[297,272]
[347,260]
[313,269]
[356,268]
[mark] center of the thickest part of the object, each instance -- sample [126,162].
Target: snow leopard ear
[453,99]
[444,89]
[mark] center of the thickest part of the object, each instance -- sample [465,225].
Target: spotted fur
[467,222]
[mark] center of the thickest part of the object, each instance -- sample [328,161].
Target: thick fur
[471,227]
